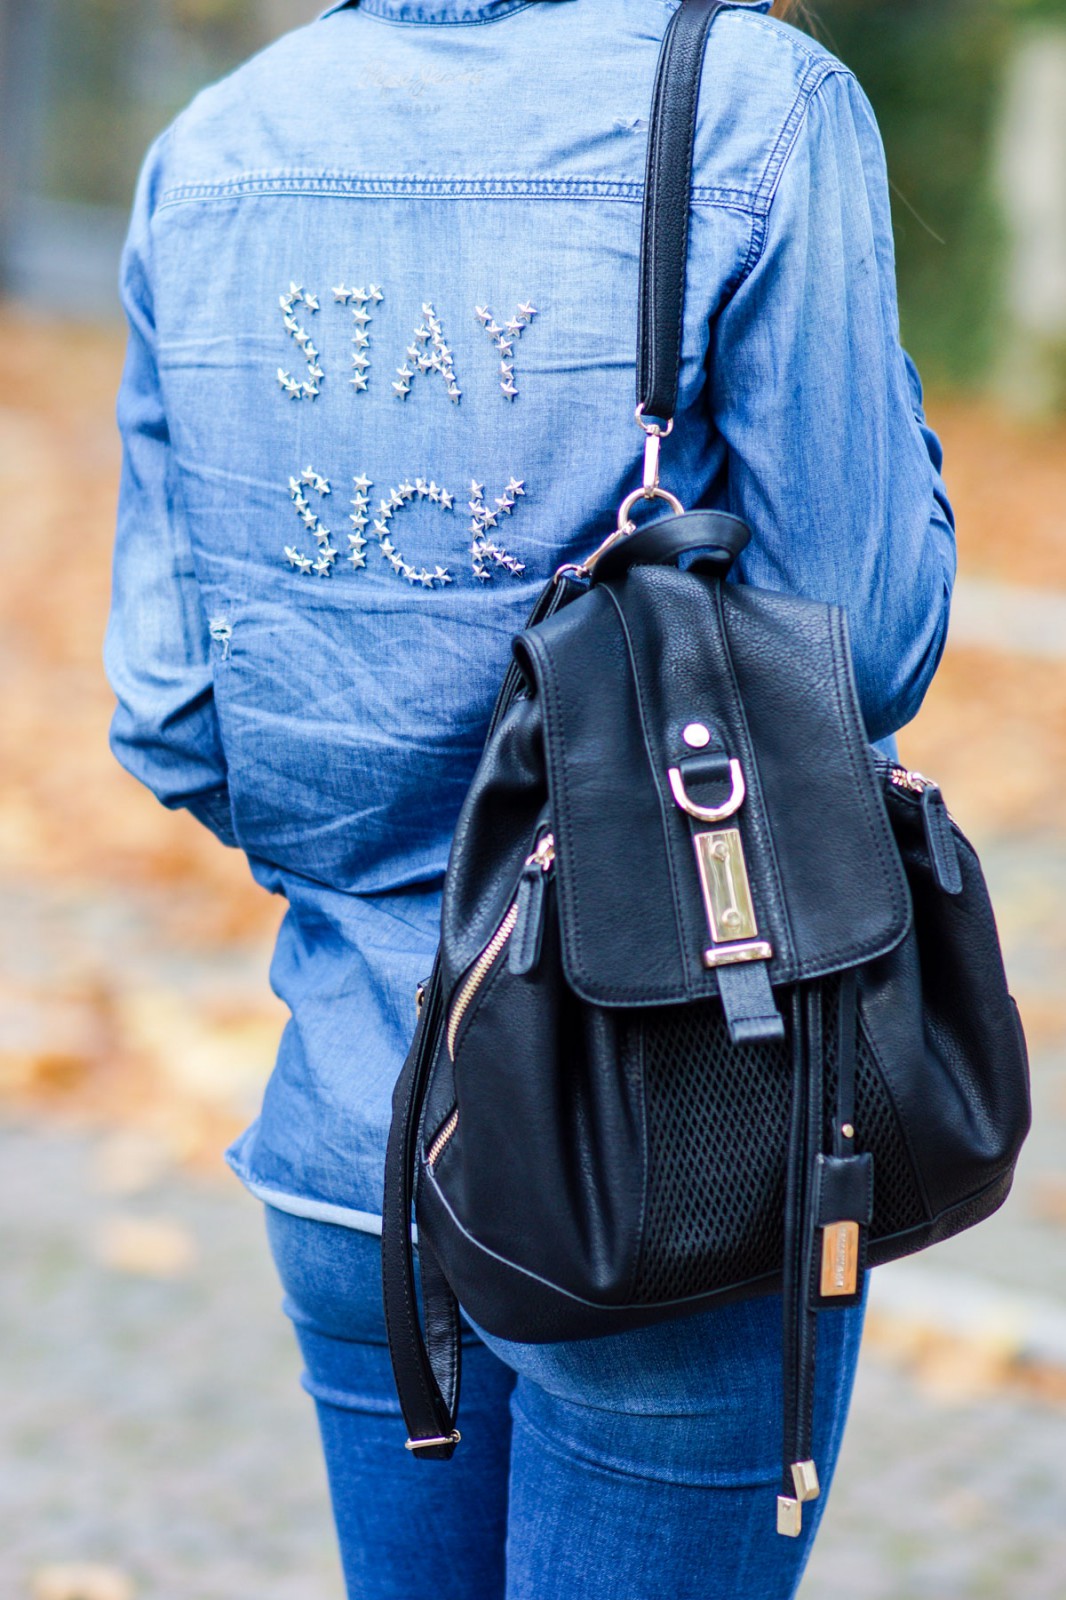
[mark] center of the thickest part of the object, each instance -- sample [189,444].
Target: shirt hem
[298,1205]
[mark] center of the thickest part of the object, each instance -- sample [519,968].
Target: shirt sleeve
[829,455]
[165,728]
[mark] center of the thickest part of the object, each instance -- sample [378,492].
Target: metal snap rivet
[696,736]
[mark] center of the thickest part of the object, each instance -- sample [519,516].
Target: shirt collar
[438,11]
[434,11]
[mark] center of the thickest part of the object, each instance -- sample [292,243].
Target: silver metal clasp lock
[723,875]
[650,489]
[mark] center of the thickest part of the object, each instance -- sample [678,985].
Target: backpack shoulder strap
[667,193]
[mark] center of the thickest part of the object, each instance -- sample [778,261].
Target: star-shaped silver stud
[516,486]
[340,294]
[362,483]
[357,559]
[514,326]
[358,382]
[447,500]
[402,390]
[375,292]
[483,314]
[442,575]
[528,310]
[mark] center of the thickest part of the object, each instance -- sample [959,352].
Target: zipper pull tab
[940,841]
[523,956]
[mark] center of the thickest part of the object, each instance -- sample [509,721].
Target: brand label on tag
[840,1258]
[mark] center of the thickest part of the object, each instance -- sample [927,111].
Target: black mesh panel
[717,1119]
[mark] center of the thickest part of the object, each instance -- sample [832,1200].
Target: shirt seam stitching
[490,188]
[819,72]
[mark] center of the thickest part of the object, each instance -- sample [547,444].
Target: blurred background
[153,1440]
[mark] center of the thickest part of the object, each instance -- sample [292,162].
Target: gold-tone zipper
[439,1144]
[478,973]
[542,857]
[915,782]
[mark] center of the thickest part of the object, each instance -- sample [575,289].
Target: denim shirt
[381,288]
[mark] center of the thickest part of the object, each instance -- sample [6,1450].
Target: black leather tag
[844,1189]
[940,842]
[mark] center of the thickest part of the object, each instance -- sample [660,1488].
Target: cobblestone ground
[154,1423]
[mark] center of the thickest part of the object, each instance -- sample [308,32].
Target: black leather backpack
[719,1007]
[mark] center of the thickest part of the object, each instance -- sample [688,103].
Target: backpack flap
[717,815]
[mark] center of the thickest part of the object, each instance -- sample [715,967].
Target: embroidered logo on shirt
[359,300]
[505,339]
[309,388]
[428,353]
[396,500]
[487,553]
[322,563]
[486,550]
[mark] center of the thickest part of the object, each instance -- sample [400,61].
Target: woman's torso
[393,273]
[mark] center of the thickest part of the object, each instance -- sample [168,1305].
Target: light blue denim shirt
[381,286]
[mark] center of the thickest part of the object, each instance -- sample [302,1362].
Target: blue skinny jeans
[644,1466]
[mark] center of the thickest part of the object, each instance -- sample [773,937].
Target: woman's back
[382,287]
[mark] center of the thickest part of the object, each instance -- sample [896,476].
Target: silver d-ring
[656,493]
[709,813]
